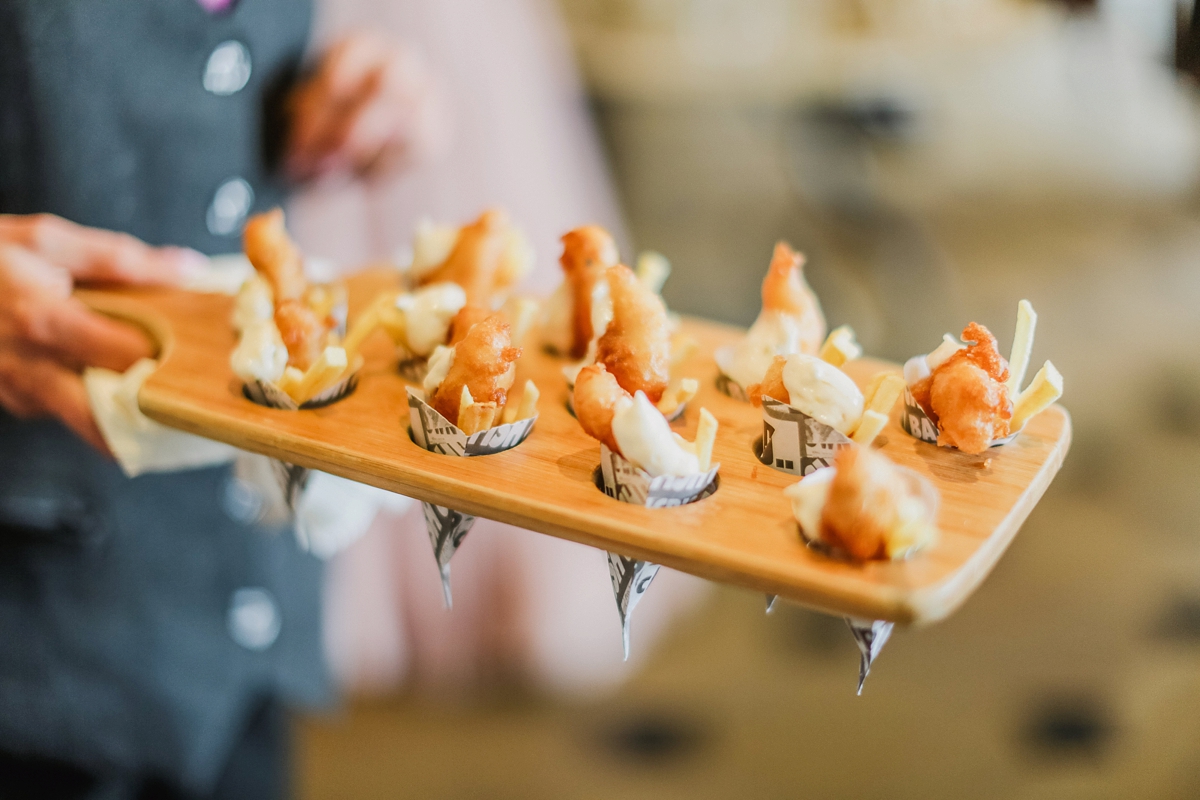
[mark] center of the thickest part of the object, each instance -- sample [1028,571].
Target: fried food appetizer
[791,320]
[274,255]
[587,253]
[636,346]
[462,322]
[304,332]
[482,363]
[866,506]
[634,428]
[973,396]
[966,394]
[830,396]
[487,258]
[595,398]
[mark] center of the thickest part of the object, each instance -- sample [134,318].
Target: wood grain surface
[743,534]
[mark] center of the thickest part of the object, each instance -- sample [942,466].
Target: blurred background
[937,160]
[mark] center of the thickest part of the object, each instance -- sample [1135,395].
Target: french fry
[871,424]
[529,401]
[476,417]
[324,373]
[465,400]
[706,434]
[840,346]
[683,443]
[365,324]
[1045,388]
[652,270]
[289,380]
[393,322]
[527,407]
[522,314]
[887,388]
[1018,360]
[677,395]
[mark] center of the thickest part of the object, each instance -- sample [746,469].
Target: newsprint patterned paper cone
[625,482]
[630,580]
[412,368]
[794,442]
[870,635]
[291,478]
[725,384]
[447,527]
[629,484]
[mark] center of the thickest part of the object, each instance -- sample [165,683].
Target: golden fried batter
[477,262]
[636,348]
[304,332]
[595,399]
[868,512]
[484,362]
[587,253]
[967,396]
[274,255]
[785,290]
[772,384]
[467,316]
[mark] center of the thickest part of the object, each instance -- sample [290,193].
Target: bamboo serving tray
[743,534]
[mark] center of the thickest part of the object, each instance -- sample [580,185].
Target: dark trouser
[257,770]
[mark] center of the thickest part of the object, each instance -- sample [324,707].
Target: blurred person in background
[151,632]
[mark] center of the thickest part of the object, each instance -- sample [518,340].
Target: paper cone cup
[725,384]
[266,393]
[630,580]
[291,478]
[447,527]
[870,636]
[917,424]
[623,481]
[412,368]
[794,442]
[629,484]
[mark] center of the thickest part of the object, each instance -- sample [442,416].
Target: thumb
[99,256]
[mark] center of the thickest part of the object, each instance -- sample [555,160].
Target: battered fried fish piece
[772,384]
[467,316]
[871,511]
[488,257]
[484,362]
[303,330]
[966,396]
[274,255]
[636,347]
[596,396]
[785,290]
[587,253]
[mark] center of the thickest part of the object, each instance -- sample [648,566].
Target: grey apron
[140,619]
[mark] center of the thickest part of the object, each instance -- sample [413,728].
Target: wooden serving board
[743,534]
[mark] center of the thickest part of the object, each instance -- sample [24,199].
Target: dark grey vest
[139,618]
